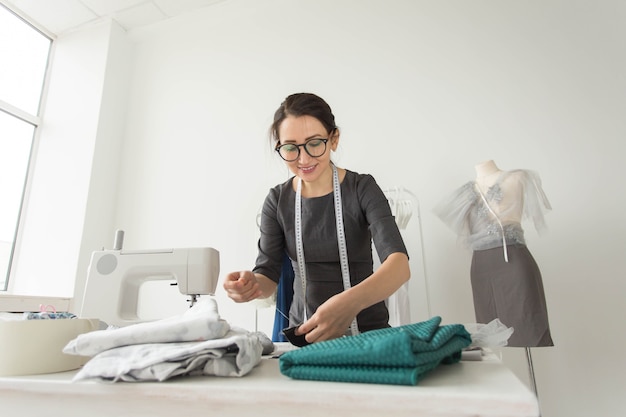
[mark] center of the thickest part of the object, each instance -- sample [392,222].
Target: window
[24,53]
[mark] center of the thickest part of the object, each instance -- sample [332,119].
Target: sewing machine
[115,276]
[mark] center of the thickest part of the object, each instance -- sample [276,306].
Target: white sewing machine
[115,276]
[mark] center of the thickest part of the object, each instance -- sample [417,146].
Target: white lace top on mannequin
[497,201]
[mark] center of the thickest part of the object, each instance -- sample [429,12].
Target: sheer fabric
[465,212]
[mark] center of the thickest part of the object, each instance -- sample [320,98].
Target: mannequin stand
[531,372]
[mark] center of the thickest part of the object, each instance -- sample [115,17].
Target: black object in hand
[296,340]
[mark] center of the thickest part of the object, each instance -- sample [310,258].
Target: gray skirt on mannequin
[512,292]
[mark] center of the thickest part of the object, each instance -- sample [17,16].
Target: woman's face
[300,130]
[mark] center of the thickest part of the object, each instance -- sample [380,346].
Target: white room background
[169,143]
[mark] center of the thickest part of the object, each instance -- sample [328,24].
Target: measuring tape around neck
[341,240]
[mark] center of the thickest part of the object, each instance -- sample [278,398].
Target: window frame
[10,302]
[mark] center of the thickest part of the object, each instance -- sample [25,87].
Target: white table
[472,388]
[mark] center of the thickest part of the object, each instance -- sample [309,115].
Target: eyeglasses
[290,151]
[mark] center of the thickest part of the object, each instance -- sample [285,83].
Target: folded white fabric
[201,322]
[234,355]
[197,342]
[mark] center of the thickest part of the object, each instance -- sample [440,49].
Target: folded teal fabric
[396,355]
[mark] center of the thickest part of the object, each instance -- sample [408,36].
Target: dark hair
[303,104]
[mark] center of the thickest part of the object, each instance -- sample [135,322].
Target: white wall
[423,91]
[55,211]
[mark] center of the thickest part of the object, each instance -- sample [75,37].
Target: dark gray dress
[367,217]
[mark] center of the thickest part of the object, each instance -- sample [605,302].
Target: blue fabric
[284,297]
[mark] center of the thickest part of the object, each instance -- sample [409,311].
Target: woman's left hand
[331,320]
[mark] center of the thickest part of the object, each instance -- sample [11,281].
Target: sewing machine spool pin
[119,240]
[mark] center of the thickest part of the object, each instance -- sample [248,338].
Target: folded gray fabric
[234,355]
[197,342]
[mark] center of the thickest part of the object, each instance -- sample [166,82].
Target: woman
[332,259]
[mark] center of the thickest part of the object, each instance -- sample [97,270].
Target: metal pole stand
[531,372]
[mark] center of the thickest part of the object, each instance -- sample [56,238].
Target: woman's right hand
[242,286]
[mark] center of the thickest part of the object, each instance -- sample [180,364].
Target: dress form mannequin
[508,209]
[506,282]
[487,173]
